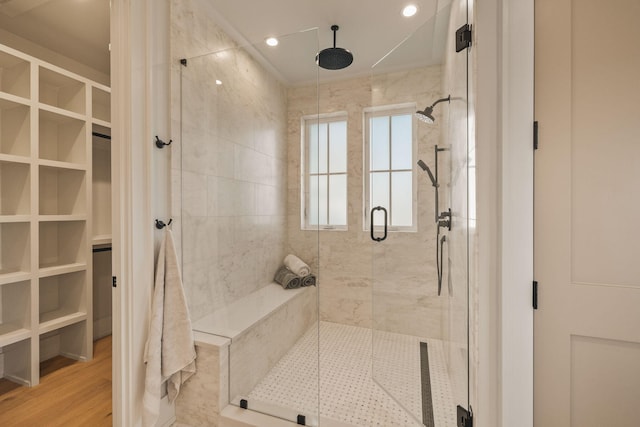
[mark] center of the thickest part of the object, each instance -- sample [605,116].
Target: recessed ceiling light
[272,41]
[409,10]
[218,82]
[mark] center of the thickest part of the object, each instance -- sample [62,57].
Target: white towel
[296,265]
[170,352]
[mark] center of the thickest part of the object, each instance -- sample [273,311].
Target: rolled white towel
[296,265]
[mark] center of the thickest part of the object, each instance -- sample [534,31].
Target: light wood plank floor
[70,393]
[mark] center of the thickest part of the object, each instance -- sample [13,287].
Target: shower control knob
[444,219]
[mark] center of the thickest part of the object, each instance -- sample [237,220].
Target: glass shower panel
[236,199]
[420,326]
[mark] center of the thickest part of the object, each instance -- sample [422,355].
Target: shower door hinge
[463,37]
[114,281]
[535,295]
[535,135]
[464,417]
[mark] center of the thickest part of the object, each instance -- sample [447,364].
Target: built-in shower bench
[238,345]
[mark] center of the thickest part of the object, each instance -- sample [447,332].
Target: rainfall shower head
[425,168]
[426,115]
[334,58]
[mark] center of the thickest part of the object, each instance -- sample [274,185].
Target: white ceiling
[370,29]
[78,29]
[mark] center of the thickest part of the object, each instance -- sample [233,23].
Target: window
[324,172]
[389,159]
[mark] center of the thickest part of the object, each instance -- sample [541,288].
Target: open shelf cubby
[61,91]
[101,183]
[15,188]
[15,128]
[62,243]
[62,300]
[101,104]
[62,138]
[17,362]
[62,191]
[15,303]
[15,250]
[14,75]
[69,341]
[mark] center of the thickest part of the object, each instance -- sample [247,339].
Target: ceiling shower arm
[448,99]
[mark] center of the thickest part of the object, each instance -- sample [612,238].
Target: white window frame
[338,116]
[379,111]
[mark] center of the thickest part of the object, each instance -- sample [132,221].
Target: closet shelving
[47,116]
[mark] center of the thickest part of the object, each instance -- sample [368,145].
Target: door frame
[132,111]
[504,37]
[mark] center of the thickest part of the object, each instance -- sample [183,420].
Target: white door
[587,214]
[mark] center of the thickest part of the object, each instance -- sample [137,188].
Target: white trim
[132,108]
[516,187]
[504,114]
[120,106]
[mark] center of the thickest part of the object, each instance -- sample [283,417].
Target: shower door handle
[384,236]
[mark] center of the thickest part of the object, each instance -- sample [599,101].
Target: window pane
[313,147]
[322,148]
[338,147]
[401,199]
[379,143]
[312,214]
[401,147]
[322,199]
[338,199]
[379,193]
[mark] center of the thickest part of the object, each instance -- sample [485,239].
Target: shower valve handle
[444,219]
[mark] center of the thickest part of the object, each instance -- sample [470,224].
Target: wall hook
[160,143]
[160,224]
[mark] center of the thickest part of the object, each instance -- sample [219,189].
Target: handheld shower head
[426,115]
[425,168]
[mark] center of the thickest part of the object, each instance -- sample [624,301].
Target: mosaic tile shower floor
[348,393]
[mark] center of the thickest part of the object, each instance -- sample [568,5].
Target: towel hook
[160,224]
[161,144]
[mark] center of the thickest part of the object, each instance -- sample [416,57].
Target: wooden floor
[70,393]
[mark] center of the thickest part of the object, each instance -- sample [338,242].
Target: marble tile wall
[405,298]
[256,352]
[205,394]
[228,162]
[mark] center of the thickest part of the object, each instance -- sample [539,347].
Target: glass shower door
[420,232]
[233,194]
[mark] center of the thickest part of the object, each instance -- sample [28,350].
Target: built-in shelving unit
[47,207]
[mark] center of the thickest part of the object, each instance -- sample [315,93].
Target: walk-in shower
[265,167]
